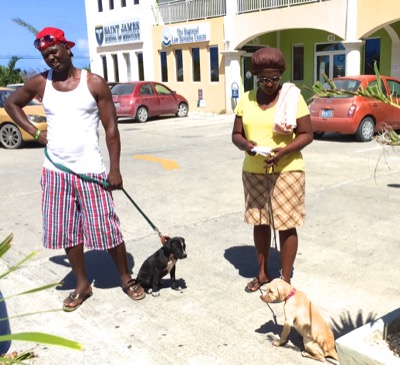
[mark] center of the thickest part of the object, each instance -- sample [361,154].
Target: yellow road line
[166,164]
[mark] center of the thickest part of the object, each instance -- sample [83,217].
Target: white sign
[125,31]
[186,34]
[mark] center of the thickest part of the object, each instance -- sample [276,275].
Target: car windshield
[343,84]
[4,94]
[123,89]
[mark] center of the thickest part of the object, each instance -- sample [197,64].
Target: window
[146,89]
[105,73]
[128,66]
[394,87]
[123,3]
[162,90]
[100,5]
[196,64]
[135,2]
[164,66]
[298,62]
[111,2]
[140,66]
[372,55]
[179,65]
[116,71]
[214,72]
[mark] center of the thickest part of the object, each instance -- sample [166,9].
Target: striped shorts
[76,211]
[282,194]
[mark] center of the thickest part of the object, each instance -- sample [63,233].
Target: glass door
[249,81]
[323,67]
[330,60]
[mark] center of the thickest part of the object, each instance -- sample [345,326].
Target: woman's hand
[249,146]
[274,158]
[239,137]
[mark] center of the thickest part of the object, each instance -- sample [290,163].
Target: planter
[360,346]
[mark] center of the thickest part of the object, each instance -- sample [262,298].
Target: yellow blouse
[258,127]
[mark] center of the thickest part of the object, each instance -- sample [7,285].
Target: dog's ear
[167,245]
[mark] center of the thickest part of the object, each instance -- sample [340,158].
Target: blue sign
[235,90]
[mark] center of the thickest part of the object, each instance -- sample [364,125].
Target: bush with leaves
[37,337]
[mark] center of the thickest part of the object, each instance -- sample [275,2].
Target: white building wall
[120,14]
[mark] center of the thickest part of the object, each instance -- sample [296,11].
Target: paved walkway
[347,262]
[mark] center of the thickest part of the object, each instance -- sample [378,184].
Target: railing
[182,11]
[245,6]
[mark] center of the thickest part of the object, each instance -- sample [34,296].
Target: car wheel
[11,137]
[365,130]
[318,135]
[182,110]
[142,115]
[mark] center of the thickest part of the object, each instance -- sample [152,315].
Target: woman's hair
[267,57]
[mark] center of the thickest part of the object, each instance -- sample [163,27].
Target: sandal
[255,285]
[75,298]
[134,290]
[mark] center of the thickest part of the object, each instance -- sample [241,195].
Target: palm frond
[26,25]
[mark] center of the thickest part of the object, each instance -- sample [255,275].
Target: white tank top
[72,128]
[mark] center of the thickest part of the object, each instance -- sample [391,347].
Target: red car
[354,114]
[144,99]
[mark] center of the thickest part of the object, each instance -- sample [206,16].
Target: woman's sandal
[75,298]
[255,285]
[134,290]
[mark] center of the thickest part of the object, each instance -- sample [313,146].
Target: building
[202,48]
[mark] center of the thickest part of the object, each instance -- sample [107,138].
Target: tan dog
[300,312]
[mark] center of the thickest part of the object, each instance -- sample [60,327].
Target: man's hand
[115,181]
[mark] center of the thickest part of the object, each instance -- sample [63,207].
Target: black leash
[104,184]
[272,224]
[271,213]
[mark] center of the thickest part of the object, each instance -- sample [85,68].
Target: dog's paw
[176,287]
[278,343]
[155,294]
[148,290]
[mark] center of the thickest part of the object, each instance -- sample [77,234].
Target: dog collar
[293,292]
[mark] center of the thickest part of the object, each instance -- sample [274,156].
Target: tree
[9,74]
[26,25]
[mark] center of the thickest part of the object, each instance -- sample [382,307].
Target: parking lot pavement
[347,262]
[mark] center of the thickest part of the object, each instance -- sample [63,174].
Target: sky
[69,15]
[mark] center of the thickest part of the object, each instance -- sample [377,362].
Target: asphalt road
[185,174]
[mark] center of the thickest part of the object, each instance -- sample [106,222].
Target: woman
[274,116]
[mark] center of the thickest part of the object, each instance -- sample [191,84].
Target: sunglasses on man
[44,42]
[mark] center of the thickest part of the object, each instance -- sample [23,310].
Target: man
[74,210]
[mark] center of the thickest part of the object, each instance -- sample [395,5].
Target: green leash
[105,184]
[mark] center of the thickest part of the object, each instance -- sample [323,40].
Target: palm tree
[9,74]
[26,25]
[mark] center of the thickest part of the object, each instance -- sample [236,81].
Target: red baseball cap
[56,36]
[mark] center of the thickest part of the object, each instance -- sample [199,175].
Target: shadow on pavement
[100,269]
[244,259]
[273,332]
[346,324]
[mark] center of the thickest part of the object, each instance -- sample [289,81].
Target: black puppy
[159,264]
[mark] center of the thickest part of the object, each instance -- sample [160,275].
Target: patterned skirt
[276,200]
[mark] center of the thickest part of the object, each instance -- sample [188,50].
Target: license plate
[116,105]
[327,113]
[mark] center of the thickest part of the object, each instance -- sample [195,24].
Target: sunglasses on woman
[46,41]
[266,80]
